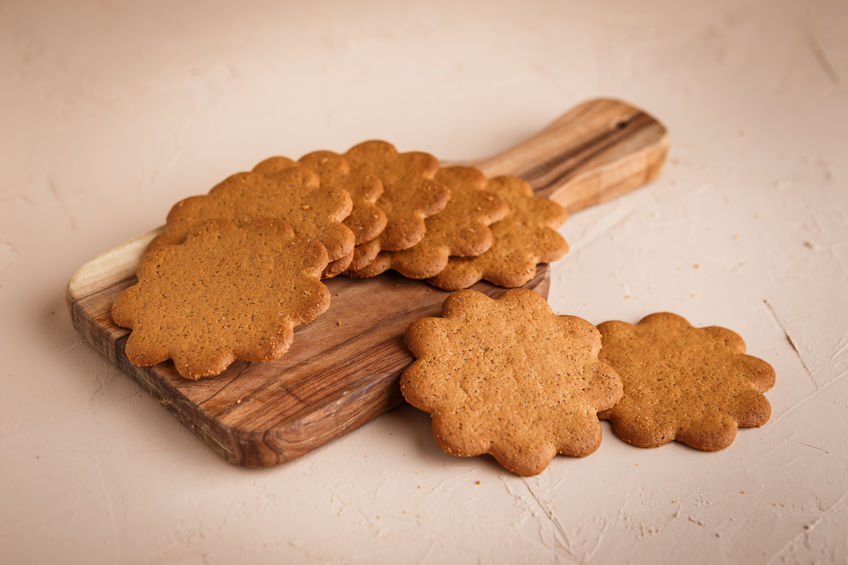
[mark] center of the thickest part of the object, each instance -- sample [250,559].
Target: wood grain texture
[593,153]
[343,368]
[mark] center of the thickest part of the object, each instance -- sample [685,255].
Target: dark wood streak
[336,378]
[574,160]
[537,176]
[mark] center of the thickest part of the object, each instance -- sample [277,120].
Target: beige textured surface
[227,293]
[695,385]
[510,378]
[113,111]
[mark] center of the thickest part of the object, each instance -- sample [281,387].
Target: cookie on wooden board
[293,194]
[509,377]
[693,385]
[410,193]
[525,237]
[366,219]
[460,229]
[364,255]
[226,293]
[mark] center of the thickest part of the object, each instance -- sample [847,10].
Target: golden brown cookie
[460,229]
[293,194]
[227,293]
[409,192]
[366,219]
[273,165]
[364,255]
[510,378]
[691,384]
[524,238]
[337,267]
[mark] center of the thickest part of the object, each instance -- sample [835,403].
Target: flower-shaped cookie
[227,293]
[510,378]
[293,194]
[409,192]
[460,229]
[366,219]
[694,385]
[524,238]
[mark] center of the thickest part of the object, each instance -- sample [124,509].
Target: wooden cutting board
[343,368]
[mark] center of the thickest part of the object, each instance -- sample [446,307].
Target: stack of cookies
[238,268]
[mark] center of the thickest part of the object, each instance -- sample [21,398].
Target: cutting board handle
[593,153]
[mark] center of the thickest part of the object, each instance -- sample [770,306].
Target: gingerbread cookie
[460,229]
[366,219]
[694,385]
[510,378]
[292,194]
[227,293]
[409,192]
[524,238]
[364,255]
